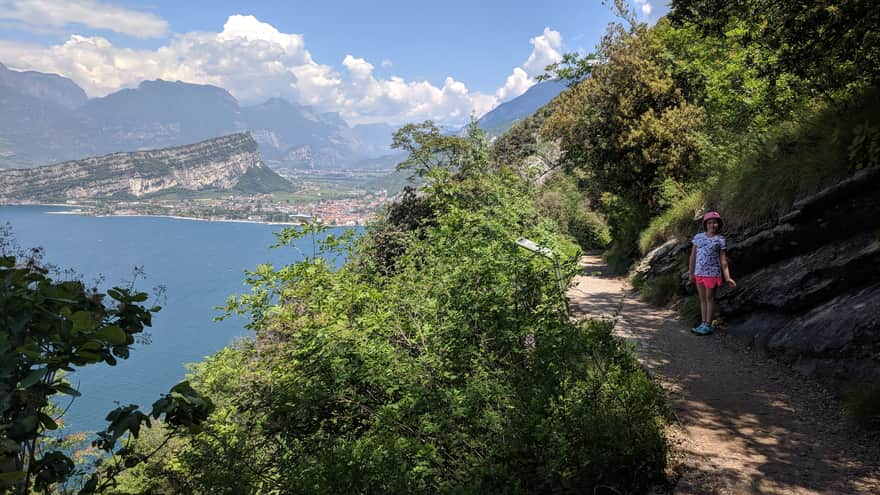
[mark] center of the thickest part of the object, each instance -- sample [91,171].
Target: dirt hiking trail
[744,423]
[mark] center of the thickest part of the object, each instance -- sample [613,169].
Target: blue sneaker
[703,329]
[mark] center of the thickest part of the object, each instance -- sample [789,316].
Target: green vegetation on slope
[714,108]
[439,359]
[48,328]
[788,162]
[262,179]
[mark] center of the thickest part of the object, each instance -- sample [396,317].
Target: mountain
[34,131]
[225,163]
[373,139]
[49,87]
[500,119]
[158,114]
[294,136]
[45,118]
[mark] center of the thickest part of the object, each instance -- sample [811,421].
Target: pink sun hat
[712,215]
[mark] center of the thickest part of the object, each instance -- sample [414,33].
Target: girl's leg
[710,304]
[701,291]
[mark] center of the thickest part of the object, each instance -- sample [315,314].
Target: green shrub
[678,221]
[455,372]
[863,404]
[789,162]
[625,221]
[689,309]
[588,228]
[659,291]
[560,200]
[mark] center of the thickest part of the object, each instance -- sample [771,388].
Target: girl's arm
[725,269]
[692,263]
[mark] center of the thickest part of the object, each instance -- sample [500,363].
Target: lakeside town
[258,208]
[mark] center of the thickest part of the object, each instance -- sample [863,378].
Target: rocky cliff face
[808,284]
[218,163]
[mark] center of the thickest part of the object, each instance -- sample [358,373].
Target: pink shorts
[710,282]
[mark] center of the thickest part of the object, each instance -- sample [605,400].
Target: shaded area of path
[746,424]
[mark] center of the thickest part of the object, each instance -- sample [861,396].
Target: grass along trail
[743,422]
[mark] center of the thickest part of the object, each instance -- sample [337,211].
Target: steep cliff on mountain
[222,163]
[808,283]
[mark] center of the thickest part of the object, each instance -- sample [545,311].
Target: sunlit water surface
[199,263]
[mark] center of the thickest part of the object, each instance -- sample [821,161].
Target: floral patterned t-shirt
[708,254]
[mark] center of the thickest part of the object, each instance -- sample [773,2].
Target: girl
[707,265]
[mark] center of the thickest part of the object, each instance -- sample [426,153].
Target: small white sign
[536,248]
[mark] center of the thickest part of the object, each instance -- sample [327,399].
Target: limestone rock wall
[215,163]
[808,284]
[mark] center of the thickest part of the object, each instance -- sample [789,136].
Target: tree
[46,328]
[430,150]
[828,44]
[455,371]
[631,126]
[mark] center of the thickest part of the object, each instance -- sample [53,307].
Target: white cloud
[358,67]
[386,63]
[255,61]
[645,6]
[42,14]
[517,83]
[545,51]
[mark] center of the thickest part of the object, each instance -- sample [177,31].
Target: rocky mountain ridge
[808,284]
[46,118]
[55,88]
[497,121]
[221,163]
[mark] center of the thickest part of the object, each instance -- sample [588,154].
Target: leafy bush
[788,163]
[689,309]
[660,291]
[560,200]
[406,217]
[49,327]
[625,220]
[458,371]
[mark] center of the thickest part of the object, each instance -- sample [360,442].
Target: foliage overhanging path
[745,424]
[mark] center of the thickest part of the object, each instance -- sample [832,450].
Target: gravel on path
[745,423]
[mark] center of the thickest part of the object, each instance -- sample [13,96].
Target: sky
[380,61]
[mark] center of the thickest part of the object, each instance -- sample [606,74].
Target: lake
[199,263]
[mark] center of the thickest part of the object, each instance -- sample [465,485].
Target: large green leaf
[82,320]
[112,334]
[66,389]
[34,377]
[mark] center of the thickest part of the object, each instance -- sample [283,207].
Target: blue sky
[371,61]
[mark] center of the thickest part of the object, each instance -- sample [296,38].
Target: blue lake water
[199,263]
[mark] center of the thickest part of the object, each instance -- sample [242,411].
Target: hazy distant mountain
[288,123]
[502,117]
[225,163]
[46,87]
[159,113]
[37,123]
[295,136]
[46,118]
[374,139]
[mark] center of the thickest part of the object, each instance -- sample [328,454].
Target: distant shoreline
[176,217]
